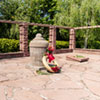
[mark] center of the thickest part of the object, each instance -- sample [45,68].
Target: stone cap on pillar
[39,42]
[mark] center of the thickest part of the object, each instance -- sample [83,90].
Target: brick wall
[88,51]
[11,55]
[63,51]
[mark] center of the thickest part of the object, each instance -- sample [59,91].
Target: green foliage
[91,44]
[9,45]
[73,13]
[37,11]
[79,44]
[62,44]
[76,13]
[8,10]
[94,44]
[62,34]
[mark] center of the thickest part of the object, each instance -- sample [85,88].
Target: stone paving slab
[77,81]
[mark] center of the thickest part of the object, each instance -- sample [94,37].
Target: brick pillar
[52,37]
[72,39]
[24,39]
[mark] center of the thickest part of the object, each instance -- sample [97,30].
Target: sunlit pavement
[77,81]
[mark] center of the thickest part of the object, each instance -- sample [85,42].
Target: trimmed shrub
[8,45]
[62,44]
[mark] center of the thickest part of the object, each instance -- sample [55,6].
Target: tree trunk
[85,42]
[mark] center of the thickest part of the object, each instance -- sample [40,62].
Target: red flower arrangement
[49,54]
[51,58]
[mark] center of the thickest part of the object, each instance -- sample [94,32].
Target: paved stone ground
[77,81]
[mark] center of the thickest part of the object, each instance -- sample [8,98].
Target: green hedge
[9,45]
[12,45]
[90,45]
[62,44]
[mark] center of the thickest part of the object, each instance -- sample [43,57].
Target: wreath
[49,61]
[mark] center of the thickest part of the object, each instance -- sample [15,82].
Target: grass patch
[79,56]
[40,72]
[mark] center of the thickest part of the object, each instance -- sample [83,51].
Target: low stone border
[88,51]
[73,57]
[63,51]
[11,55]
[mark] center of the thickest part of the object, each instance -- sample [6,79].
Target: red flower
[50,57]
[55,69]
[50,48]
